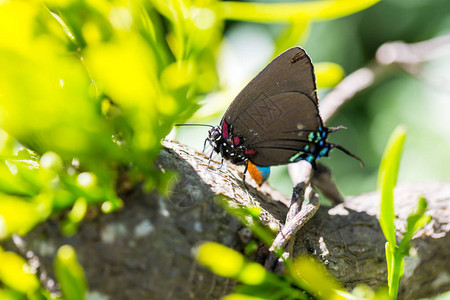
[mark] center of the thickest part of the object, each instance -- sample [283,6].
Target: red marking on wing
[236,140]
[224,130]
[250,151]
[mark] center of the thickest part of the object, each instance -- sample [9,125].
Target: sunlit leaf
[314,277]
[282,12]
[415,221]
[16,273]
[75,216]
[242,297]
[252,274]
[387,179]
[9,294]
[221,260]
[18,215]
[390,256]
[328,74]
[294,34]
[70,274]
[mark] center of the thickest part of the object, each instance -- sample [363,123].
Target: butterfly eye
[214,134]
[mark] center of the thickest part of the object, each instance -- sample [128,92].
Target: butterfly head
[215,137]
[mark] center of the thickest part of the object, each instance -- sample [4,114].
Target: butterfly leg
[210,157]
[245,171]
[221,164]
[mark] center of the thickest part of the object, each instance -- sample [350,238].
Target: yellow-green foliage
[387,179]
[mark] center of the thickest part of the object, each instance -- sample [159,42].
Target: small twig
[297,221]
[413,54]
[408,56]
[293,224]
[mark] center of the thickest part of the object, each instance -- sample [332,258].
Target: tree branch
[145,250]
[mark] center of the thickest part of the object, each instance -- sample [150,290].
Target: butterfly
[275,119]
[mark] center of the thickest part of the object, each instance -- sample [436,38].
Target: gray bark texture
[145,251]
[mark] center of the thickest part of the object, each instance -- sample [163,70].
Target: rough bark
[145,250]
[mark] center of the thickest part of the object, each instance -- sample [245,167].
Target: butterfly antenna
[333,129]
[205,125]
[348,153]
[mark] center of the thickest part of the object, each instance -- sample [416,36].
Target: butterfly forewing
[291,71]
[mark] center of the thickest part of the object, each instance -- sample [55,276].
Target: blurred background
[418,98]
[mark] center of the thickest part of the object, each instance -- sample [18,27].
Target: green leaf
[220,259]
[9,294]
[70,225]
[328,74]
[70,274]
[387,179]
[415,221]
[16,273]
[295,33]
[242,297]
[20,215]
[284,12]
[227,262]
[389,260]
[313,276]
[249,216]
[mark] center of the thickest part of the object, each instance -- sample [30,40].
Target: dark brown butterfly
[275,119]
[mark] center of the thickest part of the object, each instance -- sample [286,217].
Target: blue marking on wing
[265,172]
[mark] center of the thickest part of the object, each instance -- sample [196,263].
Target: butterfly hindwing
[278,127]
[291,71]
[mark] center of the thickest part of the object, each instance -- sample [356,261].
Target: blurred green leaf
[328,74]
[70,225]
[294,33]
[16,273]
[387,179]
[242,297]
[251,247]
[284,12]
[415,221]
[257,282]
[252,274]
[70,274]
[19,215]
[313,277]
[249,217]
[227,262]
[8,294]
[220,259]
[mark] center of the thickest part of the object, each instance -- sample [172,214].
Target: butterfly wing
[278,127]
[291,71]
